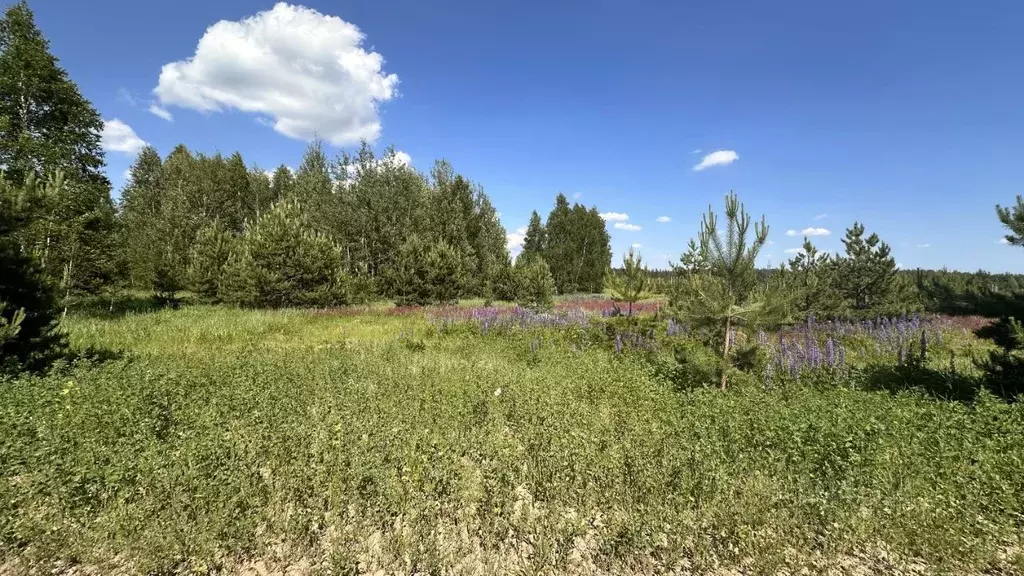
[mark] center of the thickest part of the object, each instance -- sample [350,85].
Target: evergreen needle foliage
[629,285]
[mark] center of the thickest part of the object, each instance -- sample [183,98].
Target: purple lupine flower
[899,353]
[830,352]
[924,345]
[842,355]
[762,338]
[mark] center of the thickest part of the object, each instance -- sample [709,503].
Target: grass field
[219,440]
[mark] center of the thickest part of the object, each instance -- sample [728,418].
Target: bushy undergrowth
[377,442]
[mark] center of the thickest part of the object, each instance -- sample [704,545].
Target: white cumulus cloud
[815,232]
[514,240]
[717,158]
[303,72]
[119,137]
[161,112]
[615,216]
[809,232]
[663,219]
[627,227]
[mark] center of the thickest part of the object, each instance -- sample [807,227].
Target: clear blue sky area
[906,115]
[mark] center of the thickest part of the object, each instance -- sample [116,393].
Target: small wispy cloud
[627,227]
[697,151]
[162,113]
[615,216]
[663,219]
[1004,241]
[769,242]
[809,232]
[637,246]
[820,216]
[793,250]
[924,245]
[717,158]
[577,196]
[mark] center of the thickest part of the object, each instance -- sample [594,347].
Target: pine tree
[868,271]
[30,338]
[291,263]
[1012,218]
[723,294]
[631,284]
[408,275]
[815,279]
[48,126]
[446,273]
[207,258]
[535,241]
[535,286]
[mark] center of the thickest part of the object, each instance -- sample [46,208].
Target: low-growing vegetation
[342,370]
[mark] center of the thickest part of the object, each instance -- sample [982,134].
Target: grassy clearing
[225,440]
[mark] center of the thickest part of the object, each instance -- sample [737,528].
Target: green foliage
[48,127]
[427,273]
[209,254]
[236,440]
[30,338]
[868,272]
[286,263]
[814,277]
[722,293]
[1012,218]
[1004,367]
[576,246]
[631,284]
[535,286]
[536,240]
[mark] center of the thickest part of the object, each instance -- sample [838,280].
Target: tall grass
[227,439]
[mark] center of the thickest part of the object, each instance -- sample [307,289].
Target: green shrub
[209,254]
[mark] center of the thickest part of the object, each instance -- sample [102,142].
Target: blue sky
[908,115]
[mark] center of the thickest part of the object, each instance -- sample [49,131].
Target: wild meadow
[352,366]
[473,440]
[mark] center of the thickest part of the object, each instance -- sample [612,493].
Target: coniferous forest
[225,368]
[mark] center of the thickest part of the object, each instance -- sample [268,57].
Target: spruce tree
[30,338]
[446,273]
[1012,218]
[47,126]
[314,190]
